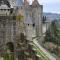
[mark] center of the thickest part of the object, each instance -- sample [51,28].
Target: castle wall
[7,32]
[11,29]
[37,17]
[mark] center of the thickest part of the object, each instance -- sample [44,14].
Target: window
[33,25]
[28,24]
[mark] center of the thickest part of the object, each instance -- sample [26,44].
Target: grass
[8,56]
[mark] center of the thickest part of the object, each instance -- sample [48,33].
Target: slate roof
[35,3]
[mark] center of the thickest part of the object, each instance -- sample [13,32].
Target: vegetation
[44,19]
[9,53]
[52,33]
[19,17]
[52,38]
[8,56]
[39,52]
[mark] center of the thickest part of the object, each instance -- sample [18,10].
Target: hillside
[52,16]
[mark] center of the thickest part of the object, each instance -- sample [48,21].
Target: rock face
[52,16]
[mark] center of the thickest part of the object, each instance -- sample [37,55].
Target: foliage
[8,56]
[51,33]
[54,29]
[57,50]
[19,17]
[44,19]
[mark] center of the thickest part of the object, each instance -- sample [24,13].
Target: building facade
[35,12]
[31,24]
[18,24]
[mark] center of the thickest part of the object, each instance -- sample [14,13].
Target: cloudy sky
[50,5]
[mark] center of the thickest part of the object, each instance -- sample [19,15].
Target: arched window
[34,25]
[10,46]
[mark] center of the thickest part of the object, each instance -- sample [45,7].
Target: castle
[18,21]
[32,17]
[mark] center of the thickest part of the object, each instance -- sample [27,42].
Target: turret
[29,28]
[35,3]
[26,3]
[37,11]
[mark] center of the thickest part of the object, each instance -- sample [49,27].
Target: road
[44,50]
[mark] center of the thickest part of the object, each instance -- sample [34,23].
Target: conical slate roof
[19,2]
[28,20]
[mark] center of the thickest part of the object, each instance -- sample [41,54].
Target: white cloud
[49,1]
[50,5]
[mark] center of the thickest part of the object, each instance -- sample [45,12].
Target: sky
[50,5]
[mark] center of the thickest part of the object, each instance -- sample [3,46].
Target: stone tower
[26,3]
[29,28]
[37,11]
[7,28]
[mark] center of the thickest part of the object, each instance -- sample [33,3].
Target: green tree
[54,29]
[44,19]
[51,33]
